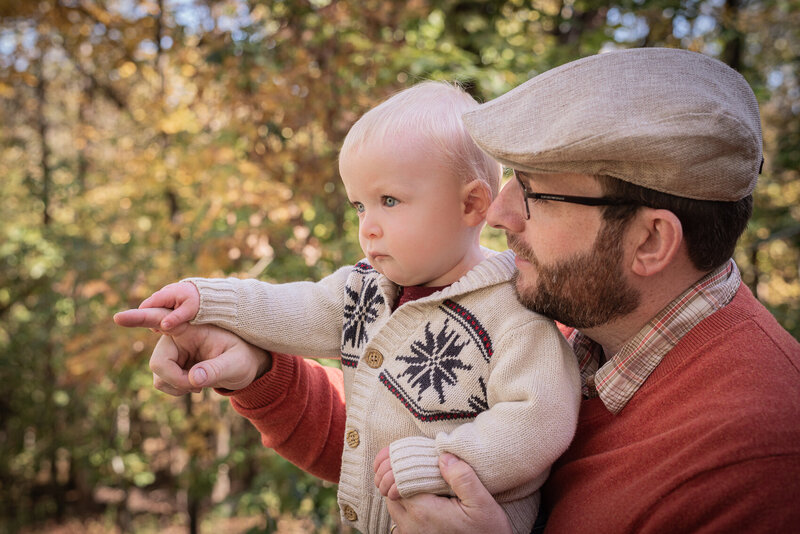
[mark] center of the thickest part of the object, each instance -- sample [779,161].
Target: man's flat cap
[671,120]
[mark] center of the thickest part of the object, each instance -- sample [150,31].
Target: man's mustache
[520,248]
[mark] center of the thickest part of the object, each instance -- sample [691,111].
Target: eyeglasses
[586,201]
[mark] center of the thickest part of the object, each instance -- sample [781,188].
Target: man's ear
[657,236]
[476,199]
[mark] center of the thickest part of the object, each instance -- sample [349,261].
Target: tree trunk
[41,94]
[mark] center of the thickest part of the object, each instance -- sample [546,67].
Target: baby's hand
[384,476]
[183,298]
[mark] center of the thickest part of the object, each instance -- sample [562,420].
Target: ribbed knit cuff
[522,513]
[271,387]
[218,301]
[415,464]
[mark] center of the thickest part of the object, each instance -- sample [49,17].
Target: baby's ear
[476,197]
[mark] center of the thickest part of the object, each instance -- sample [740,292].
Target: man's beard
[583,291]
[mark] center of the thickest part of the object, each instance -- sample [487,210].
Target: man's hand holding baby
[191,357]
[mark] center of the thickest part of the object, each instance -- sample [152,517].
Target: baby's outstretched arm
[182,297]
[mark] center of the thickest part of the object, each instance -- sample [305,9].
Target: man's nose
[506,212]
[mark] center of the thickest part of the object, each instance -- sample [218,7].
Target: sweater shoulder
[743,334]
[500,301]
[736,375]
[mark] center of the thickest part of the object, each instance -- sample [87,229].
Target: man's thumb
[202,375]
[463,480]
[224,371]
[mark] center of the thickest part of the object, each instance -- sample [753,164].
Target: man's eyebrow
[523,175]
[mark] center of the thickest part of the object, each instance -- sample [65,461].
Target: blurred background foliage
[143,141]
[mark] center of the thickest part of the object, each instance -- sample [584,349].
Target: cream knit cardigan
[467,370]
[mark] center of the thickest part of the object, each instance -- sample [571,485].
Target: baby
[436,352]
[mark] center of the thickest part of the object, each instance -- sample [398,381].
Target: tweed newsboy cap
[671,120]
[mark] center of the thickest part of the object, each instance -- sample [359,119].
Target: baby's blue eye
[358,206]
[389,202]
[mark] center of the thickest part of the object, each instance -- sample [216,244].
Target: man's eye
[358,206]
[390,202]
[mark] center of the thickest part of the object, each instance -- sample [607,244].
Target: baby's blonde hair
[431,111]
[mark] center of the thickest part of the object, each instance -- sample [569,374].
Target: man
[633,180]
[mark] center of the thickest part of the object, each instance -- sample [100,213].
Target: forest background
[143,141]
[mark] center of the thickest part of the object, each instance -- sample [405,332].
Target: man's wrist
[264,366]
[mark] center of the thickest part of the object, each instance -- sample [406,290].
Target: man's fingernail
[166,325]
[447,458]
[200,376]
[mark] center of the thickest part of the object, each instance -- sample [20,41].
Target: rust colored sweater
[710,443]
[298,408]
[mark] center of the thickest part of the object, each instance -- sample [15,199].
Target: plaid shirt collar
[620,377]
